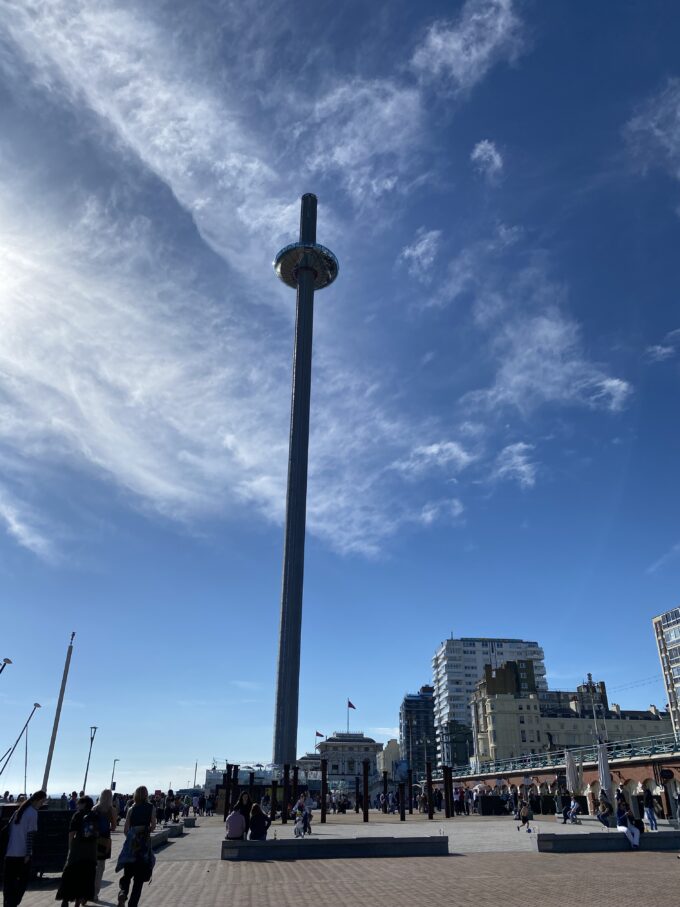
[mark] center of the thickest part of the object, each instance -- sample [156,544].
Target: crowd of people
[91,826]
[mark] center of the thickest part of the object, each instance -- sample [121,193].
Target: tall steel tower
[305,266]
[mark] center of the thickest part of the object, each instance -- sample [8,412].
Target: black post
[366,765]
[286,793]
[447,799]
[409,778]
[324,789]
[234,784]
[226,781]
[296,783]
[384,792]
[272,809]
[251,785]
[402,802]
[356,794]
[430,798]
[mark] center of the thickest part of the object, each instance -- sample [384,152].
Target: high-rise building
[457,667]
[417,739]
[667,630]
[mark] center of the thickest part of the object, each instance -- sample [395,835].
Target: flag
[319,734]
[350,706]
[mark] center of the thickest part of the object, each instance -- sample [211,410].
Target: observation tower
[305,266]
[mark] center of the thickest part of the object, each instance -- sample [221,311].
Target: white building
[667,631]
[345,754]
[457,667]
[389,757]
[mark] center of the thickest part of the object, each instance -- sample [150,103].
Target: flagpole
[348,716]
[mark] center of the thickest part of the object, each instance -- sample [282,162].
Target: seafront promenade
[490,863]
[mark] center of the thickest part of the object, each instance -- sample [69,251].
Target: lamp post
[5,662]
[93,733]
[113,772]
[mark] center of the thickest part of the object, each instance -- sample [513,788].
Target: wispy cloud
[249,685]
[390,732]
[671,555]
[653,132]
[541,361]
[459,53]
[419,256]
[444,454]
[450,509]
[487,161]
[667,349]
[514,463]
[366,132]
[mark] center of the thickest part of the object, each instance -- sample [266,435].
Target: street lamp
[5,662]
[113,772]
[93,733]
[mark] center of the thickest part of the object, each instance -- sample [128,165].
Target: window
[524,736]
[521,719]
[350,765]
[335,767]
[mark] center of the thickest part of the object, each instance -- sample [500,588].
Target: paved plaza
[491,863]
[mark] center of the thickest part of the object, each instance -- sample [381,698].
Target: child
[524,816]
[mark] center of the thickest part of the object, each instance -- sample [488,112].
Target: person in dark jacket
[259,824]
[244,806]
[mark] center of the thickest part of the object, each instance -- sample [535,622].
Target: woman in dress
[77,880]
[107,820]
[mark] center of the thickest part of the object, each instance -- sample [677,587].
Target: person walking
[17,865]
[107,819]
[649,810]
[524,816]
[136,858]
[78,878]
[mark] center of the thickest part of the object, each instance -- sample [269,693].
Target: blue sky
[494,438]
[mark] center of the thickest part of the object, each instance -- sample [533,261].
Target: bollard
[452,804]
[366,766]
[272,808]
[384,792]
[430,797]
[324,788]
[226,781]
[356,794]
[409,777]
[447,798]
[286,793]
[234,785]
[296,783]
[402,802]
[251,785]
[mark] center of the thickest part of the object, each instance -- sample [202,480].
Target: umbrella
[572,772]
[603,768]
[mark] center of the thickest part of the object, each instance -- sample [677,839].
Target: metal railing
[659,745]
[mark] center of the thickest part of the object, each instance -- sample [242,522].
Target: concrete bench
[190,822]
[607,842]
[174,831]
[335,848]
[159,837]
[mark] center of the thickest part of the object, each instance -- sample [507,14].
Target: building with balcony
[457,666]
[667,632]
[510,721]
